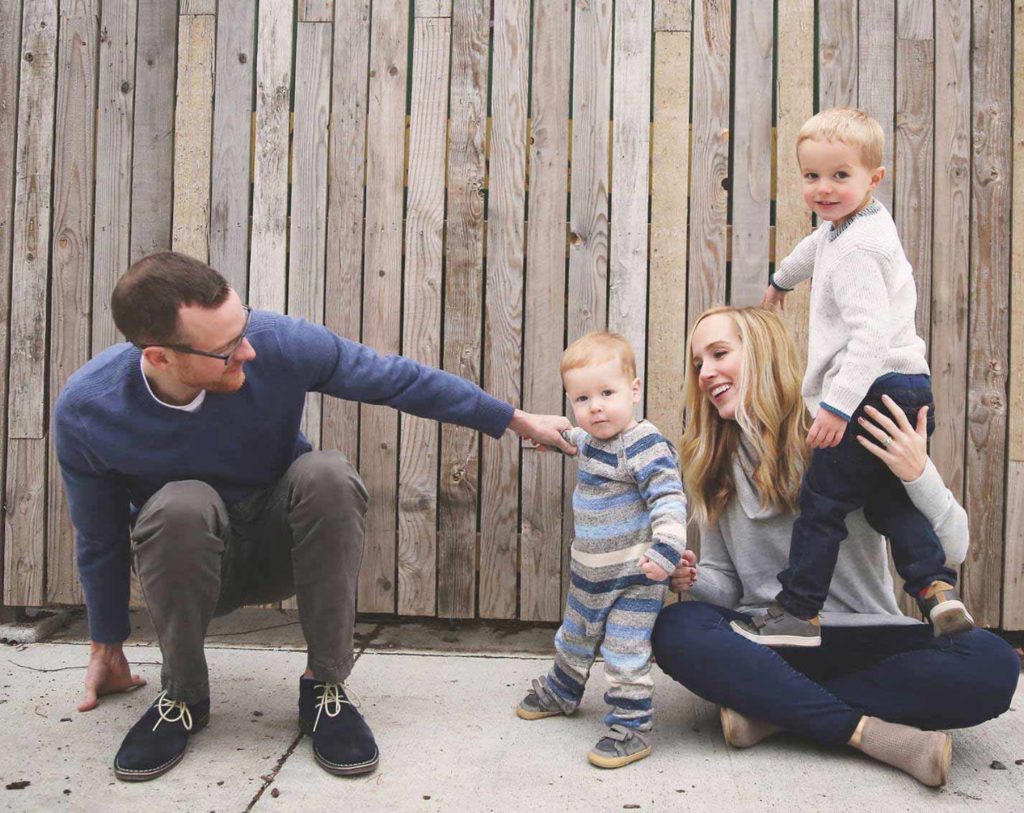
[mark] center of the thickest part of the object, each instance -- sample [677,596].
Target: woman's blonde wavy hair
[771,416]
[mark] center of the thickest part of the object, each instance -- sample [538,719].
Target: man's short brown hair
[146,300]
[597,348]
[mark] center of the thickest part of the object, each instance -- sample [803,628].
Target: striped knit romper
[628,503]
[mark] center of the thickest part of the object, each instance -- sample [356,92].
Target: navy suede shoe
[342,741]
[157,742]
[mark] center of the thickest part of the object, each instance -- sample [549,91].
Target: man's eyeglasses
[225,356]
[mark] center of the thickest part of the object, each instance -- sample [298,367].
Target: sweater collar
[872,208]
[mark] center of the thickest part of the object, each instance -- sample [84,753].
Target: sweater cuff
[776,285]
[927,491]
[493,416]
[665,556]
[843,401]
[835,411]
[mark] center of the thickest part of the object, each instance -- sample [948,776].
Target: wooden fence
[475,183]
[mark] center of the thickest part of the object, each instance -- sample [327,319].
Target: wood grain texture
[672,15]
[345,194]
[425,9]
[308,236]
[26,394]
[1013,577]
[587,305]
[1016,446]
[709,164]
[10,63]
[153,138]
[915,147]
[540,594]
[385,159]
[193,116]
[795,92]
[115,120]
[876,82]
[421,324]
[503,315]
[952,252]
[316,11]
[25,520]
[268,259]
[670,149]
[463,296]
[197,7]
[631,162]
[232,142]
[70,298]
[837,53]
[988,316]
[751,185]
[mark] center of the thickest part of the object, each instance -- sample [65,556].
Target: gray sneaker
[941,604]
[618,747]
[778,628]
[539,702]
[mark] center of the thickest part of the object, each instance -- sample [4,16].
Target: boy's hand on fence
[685,575]
[108,672]
[826,431]
[772,297]
[652,571]
[543,431]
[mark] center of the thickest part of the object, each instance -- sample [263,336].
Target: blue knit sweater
[117,446]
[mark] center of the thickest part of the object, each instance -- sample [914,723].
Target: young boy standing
[630,519]
[863,349]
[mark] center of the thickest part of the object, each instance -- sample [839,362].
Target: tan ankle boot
[925,755]
[743,732]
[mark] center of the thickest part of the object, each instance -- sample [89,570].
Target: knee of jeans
[181,512]
[676,632]
[997,670]
[329,478]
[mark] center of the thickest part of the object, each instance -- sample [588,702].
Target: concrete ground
[440,703]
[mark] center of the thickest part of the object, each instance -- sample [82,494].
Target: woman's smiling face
[718,361]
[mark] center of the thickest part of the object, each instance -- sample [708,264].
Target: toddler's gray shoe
[619,746]
[778,628]
[539,702]
[941,604]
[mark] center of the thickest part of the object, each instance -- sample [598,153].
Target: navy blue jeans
[898,673]
[847,477]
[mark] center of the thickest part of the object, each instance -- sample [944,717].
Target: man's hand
[826,431]
[772,297]
[654,572]
[107,673]
[685,575]
[544,431]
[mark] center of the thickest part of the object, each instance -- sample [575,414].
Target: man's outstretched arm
[542,430]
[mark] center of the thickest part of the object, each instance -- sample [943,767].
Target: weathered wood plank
[670,147]
[672,15]
[270,164]
[950,269]
[631,162]
[709,165]
[31,253]
[915,147]
[346,164]
[153,141]
[837,53]
[25,543]
[540,593]
[795,104]
[432,8]
[459,480]
[78,49]
[987,350]
[751,185]
[421,325]
[308,239]
[316,11]
[115,119]
[503,316]
[197,7]
[193,116]
[385,155]
[232,142]
[1013,577]
[876,83]
[587,304]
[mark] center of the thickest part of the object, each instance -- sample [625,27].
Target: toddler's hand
[826,431]
[685,574]
[652,571]
[772,297]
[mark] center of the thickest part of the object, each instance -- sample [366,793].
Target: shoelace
[332,697]
[165,707]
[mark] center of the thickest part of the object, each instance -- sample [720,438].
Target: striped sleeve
[655,466]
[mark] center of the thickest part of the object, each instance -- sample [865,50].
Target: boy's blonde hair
[849,126]
[598,347]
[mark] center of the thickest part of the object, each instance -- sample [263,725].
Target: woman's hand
[685,574]
[902,447]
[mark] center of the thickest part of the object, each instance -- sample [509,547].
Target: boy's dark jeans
[847,477]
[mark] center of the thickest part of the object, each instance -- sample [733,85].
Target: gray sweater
[740,558]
